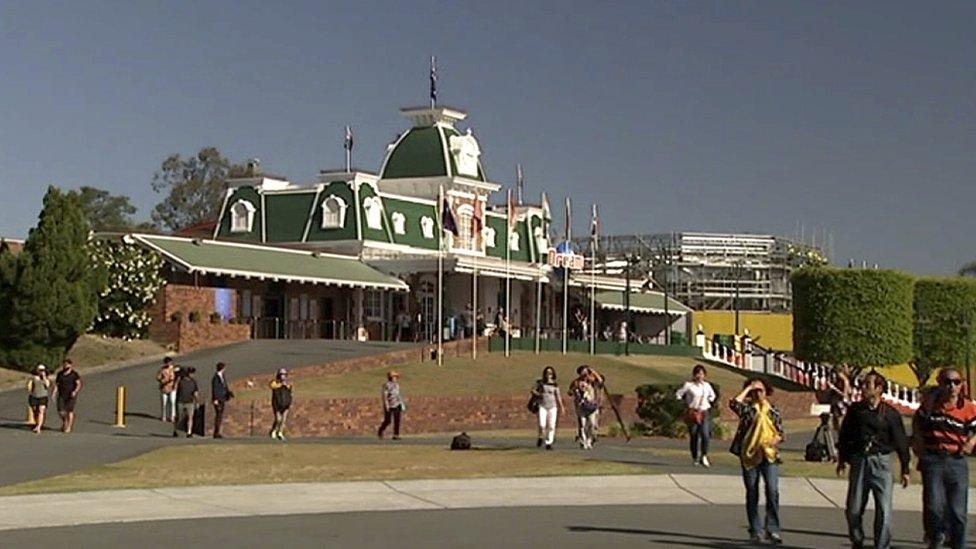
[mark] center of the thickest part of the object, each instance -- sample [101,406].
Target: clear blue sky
[852,117]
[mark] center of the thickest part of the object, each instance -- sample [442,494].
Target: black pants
[393,413]
[218,415]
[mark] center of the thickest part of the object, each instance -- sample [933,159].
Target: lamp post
[737,269]
[628,315]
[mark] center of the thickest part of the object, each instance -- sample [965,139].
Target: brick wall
[204,334]
[184,299]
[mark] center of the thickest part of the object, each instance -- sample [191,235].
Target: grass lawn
[273,463]
[91,351]
[493,374]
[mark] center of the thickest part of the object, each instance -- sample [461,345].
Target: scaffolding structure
[712,271]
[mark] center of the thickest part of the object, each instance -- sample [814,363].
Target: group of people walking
[64,389]
[586,392]
[871,434]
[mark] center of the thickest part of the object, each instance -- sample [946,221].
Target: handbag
[694,417]
[534,402]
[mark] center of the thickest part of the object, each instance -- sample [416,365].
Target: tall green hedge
[852,316]
[944,310]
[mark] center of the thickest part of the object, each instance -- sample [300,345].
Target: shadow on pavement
[684,538]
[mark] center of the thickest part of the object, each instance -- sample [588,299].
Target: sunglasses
[952,381]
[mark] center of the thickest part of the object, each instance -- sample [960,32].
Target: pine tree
[53,298]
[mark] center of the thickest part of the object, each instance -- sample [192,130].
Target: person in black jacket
[221,393]
[281,389]
[870,432]
[187,394]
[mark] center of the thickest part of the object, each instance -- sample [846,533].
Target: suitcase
[199,420]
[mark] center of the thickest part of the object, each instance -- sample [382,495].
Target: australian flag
[347,143]
[433,80]
[448,223]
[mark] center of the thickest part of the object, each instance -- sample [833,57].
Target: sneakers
[538,443]
[705,462]
[774,538]
[548,446]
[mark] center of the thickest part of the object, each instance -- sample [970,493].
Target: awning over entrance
[640,302]
[267,263]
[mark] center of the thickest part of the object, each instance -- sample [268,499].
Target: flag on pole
[347,143]
[569,220]
[519,183]
[594,229]
[512,217]
[448,221]
[546,210]
[433,81]
[478,221]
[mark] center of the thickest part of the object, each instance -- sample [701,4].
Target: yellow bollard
[120,407]
[30,416]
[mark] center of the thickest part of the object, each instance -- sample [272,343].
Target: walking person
[756,443]
[281,389]
[870,432]
[944,433]
[166,378]
[220,393]
[392,404]
[550,406]
[698,396]
[187,396]
[583,394]
[67,385]
[38,390]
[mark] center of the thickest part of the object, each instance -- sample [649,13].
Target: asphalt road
[710,526]
[94,441]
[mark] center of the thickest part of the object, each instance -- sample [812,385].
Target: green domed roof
[425,151]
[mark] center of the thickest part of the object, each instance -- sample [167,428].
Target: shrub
[134,277]
[945,308]
[662,414]
[852,316]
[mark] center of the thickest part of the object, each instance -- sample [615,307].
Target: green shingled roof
[264,262]
[639,302]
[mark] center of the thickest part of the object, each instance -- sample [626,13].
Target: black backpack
[818,450]
[461,442]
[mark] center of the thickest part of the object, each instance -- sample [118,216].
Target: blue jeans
[945,485]
[870,474]
[700,433]
[770,476]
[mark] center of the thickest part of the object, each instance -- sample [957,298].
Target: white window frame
[242,222]
[427,227]
[334,219]
[465,224]
[399,223]
[490,236]
[373,210]
[373,304]
[513,240]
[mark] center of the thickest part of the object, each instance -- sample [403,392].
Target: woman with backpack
[698,396]
[38,390]
[281,389]
[550,403]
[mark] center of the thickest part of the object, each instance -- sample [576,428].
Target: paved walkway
[18,512]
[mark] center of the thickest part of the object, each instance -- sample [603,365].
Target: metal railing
[279,328]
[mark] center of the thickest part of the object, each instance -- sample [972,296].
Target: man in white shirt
[698,396]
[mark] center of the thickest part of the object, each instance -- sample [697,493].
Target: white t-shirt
[697,396]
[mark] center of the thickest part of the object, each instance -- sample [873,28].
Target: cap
[393,373]
[41,367]
[282,371]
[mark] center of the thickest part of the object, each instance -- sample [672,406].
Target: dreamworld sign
[565,260]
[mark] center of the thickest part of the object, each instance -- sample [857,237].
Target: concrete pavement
[192,503]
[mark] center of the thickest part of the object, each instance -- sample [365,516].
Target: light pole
[737,269]
[628,315]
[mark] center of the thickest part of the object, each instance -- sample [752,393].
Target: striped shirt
[944,428]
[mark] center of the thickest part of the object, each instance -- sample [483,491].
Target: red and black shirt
[945,427]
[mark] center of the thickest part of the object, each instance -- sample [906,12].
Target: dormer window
[489,237]
[513,241]
[242,217]
[333,212]
[541,242]
[427,226]
[399,223]
[373,208]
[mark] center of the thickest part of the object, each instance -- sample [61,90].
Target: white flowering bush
[133,277]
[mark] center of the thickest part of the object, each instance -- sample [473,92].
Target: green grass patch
[494,374]
[277,463]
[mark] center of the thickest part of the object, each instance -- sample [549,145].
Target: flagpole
[593,241]
[474,292]
[348,147]
[566,280]
[440,283]
[508,274]
[538,313]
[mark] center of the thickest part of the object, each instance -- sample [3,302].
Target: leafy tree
[134,276]
[52,299]
[969,269]
[857,317]
[945,309]
[195,187]
[105,211]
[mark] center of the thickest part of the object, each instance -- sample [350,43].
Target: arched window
[489,237]
[465,238]
[513,241]
[399,223]
[374,212]
[242,217]
[333,212]
[427,226]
